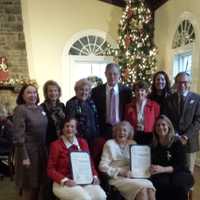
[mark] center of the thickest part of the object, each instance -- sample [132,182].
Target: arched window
[85,56]
[182,46]
[90,45]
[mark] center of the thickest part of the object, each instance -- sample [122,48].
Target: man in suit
[103,100]
[183,108]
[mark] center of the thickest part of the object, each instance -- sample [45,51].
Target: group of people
[104,121]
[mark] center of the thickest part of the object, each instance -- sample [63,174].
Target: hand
[70,183]
[156,169]
[95,180]
[125,173]
[26,162]
[184,139]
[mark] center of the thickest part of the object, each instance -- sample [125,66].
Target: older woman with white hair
[83,109]
[115,163]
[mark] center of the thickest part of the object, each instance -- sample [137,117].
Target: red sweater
[151,112]
[59,160]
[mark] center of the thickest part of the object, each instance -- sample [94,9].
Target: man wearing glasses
[183,108]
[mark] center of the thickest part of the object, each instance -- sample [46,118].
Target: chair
[6,148]
[7,158]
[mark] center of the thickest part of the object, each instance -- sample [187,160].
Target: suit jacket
[151,112]
[99,98]
[59,165]
[188,123]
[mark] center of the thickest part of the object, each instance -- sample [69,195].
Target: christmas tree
[137,53]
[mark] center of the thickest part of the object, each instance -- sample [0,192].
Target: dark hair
[167,86]
[50,83]
[68,119]
[171,134]
[20,99]
[182,74]
[111,65]
[140,85]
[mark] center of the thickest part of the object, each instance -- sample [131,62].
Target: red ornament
[128,41]
[129,13]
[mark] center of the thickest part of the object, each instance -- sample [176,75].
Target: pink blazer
[151,112]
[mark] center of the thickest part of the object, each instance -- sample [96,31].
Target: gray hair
[182,74]
[82,82]
[123,124]
[112,65]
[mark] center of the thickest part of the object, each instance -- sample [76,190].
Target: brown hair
[50,83]
[20,99]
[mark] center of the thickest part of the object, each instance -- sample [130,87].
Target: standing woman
[30,123]
[142,113]
[82,108]
[170,175]
[160,88]
[54,109]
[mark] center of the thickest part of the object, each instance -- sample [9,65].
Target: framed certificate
[140,157]
[81,167]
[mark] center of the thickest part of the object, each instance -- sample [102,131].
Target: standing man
[110,100]
[183,108]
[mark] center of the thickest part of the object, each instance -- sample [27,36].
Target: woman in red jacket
[59,167]
[142,113]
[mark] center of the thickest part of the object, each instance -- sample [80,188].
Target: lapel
[186,102]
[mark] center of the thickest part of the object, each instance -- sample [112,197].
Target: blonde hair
[82,82]
[123,124]
[171,133]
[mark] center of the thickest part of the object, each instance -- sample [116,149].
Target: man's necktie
[112,107]
[181,104]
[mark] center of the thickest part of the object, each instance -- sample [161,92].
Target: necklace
[122,148]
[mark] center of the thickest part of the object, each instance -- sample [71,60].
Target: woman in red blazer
[59,167]
[142,113]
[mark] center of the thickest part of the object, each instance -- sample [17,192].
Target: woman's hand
[125,173]
[156,169]
[95,180]
[26,162]
[70,183]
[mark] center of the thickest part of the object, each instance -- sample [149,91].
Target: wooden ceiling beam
[153,4]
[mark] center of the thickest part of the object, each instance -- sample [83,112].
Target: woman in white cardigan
[115,163]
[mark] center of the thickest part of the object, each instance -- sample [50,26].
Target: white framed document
[140,160]
[81,167]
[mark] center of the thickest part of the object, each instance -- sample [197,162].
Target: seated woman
[142,113]
[59,167]
[115,163]
[170,175]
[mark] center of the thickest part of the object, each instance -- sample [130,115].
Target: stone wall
[12,46]
[12,43]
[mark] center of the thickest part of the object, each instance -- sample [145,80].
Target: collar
[183,94]
[69,144]
[116,88]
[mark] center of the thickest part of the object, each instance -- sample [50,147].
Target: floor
[8,190]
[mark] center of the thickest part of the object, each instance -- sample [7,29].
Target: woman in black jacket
[170,175]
